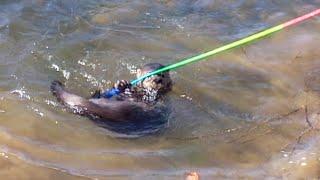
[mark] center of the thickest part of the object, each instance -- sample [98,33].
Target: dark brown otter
[134,106]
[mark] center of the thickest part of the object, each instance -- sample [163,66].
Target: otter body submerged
[133,110]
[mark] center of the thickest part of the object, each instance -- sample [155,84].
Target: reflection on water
[249,113]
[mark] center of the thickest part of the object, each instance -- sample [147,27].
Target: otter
[135,109]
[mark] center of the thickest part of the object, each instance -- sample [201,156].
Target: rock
[116,15]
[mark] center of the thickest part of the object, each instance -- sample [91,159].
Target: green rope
[229,46]
[211,53]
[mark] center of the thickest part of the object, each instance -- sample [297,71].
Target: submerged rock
[118,14]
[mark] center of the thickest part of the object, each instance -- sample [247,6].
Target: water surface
[252,112]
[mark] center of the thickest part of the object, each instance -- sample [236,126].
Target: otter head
[162,82]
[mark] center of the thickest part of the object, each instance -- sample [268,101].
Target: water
[247,113]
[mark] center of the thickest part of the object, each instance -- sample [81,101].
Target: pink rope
[302,18]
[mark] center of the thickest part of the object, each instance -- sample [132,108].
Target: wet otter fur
[134,109]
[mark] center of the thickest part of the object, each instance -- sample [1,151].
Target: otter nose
[158,81]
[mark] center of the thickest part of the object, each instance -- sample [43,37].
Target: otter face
[160,82]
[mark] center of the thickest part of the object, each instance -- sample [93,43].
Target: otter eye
[162,75]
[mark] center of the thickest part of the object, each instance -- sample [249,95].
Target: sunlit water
[252,112]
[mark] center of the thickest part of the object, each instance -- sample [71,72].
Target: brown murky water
[248,113]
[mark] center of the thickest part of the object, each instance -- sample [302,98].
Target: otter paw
[96,94]
[56,86]
[122,85]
